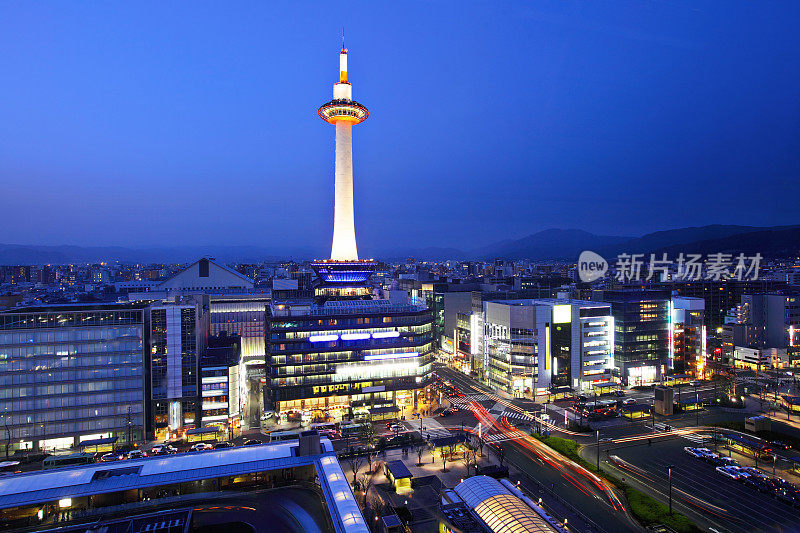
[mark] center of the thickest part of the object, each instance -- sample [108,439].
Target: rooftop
[40,487]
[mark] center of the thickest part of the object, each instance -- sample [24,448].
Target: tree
[480,444]
[370,457]
[420,449]
[355,462]
[500,452]
[469,459]
[445,451]
[368,433]
[367,480]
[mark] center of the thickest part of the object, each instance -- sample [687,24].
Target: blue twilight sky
[168,123]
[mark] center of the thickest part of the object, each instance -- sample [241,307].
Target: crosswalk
[432,428]
[502,437]
[515,415]
[464,402]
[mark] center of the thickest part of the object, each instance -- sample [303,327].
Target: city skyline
[132,130]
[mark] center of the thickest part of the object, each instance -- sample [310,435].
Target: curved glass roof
[498,508]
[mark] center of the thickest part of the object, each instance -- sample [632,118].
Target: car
[135,454]
[223,444]
[619,393]
[710,458]
[199,447]
[606,440]
[729,471]
[758,482]
[397,427]
[158,449]
[252,442]
[788,497]
[692,451]
[110,456]
[727,461]
[781,445]
[629,401]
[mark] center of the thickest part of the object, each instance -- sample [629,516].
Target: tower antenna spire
[342,37]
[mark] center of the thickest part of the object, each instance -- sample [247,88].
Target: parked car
[759,483]
[710,457]
[729,471]
[223,444]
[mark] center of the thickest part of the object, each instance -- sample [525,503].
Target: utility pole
[598,450]
[669,475]
[697,404]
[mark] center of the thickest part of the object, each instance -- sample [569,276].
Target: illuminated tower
[343,112]
[344,271]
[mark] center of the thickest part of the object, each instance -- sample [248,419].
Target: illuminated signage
[355,336]
[385,334]
[175,415]
[323,338]
[382,356]
[562,314]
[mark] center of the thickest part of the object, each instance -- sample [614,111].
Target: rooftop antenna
[342,37]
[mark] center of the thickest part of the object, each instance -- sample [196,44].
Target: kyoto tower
[344,274]
[343,112]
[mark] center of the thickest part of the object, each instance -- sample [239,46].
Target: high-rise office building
[641,336]
[540,345]
[177,338]
[688,337]
[70,373]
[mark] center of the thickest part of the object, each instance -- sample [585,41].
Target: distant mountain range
[559,244]
[550,244]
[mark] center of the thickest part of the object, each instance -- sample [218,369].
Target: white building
[544,344]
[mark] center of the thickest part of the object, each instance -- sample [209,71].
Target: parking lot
[732,504]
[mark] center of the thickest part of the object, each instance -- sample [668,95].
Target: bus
[353,430]
[58,461]
[279,436]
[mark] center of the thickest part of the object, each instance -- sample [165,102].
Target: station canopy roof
[499,509]
[398,469]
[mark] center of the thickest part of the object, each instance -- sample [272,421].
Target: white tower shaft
[344,231]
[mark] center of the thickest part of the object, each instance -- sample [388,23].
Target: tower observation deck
[344,267]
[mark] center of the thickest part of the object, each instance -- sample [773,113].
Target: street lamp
[669,476]
[598,450]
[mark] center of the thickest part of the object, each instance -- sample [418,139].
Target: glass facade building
[642,334]
[177,337]
[347,356]
[71,373]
